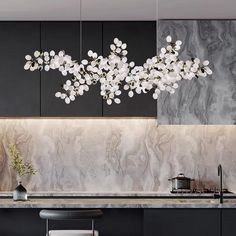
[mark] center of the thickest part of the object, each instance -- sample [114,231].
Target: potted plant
[22,169]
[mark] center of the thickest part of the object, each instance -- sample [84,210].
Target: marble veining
[116,155]
[210,100]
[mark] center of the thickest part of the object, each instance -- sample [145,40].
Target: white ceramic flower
[114,72]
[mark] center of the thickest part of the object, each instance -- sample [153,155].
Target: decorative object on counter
[181,183]
[22,169]
[20,193]
[18,164]
[114,72]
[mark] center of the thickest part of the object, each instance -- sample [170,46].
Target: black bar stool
[71,215]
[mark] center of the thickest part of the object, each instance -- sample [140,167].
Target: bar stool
[70,215]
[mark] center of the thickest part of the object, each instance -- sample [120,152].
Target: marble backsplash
[116,155]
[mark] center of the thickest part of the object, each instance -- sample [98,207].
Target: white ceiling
[116,9]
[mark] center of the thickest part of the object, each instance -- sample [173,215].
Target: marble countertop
[117,203]
[116,200]
[115,195]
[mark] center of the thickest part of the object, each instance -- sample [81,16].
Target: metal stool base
[72,233]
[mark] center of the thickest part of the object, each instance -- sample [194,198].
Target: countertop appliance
[181,183]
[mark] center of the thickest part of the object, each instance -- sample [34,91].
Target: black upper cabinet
[65,36]
[141,40]
[19,89]
[24,93]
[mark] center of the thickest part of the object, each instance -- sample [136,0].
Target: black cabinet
[129,222]
[65,36]
[141,41]
[19,89]
[114,222]
[25,93]
[26,223]
[182,222]
[228,222]
[120,222]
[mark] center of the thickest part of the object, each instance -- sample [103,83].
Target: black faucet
[221,183]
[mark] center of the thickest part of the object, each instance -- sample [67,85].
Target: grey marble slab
[116,155]
[210,100]
[117,203]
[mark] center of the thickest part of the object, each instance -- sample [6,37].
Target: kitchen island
[124,215]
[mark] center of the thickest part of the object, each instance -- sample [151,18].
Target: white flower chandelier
[114,73]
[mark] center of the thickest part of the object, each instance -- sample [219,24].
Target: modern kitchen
[118,118]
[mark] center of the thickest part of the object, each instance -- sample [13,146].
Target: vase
[20,193]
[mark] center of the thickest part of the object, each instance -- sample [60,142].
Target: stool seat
[72,233]
[70,215]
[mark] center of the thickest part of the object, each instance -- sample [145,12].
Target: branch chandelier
[114,73]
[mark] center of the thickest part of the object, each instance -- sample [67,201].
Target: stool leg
[93,226]
[47,230]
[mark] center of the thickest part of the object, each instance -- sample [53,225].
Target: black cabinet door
[65,36]
[19,89]
[26,222]
[182,222]
[114,222]
[120,222]
[228,222]
[141,41]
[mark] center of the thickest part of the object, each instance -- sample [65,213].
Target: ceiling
[116,9]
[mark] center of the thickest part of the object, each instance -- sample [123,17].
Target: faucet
[221,187]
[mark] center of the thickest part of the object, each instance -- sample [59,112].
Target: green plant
[18,165]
